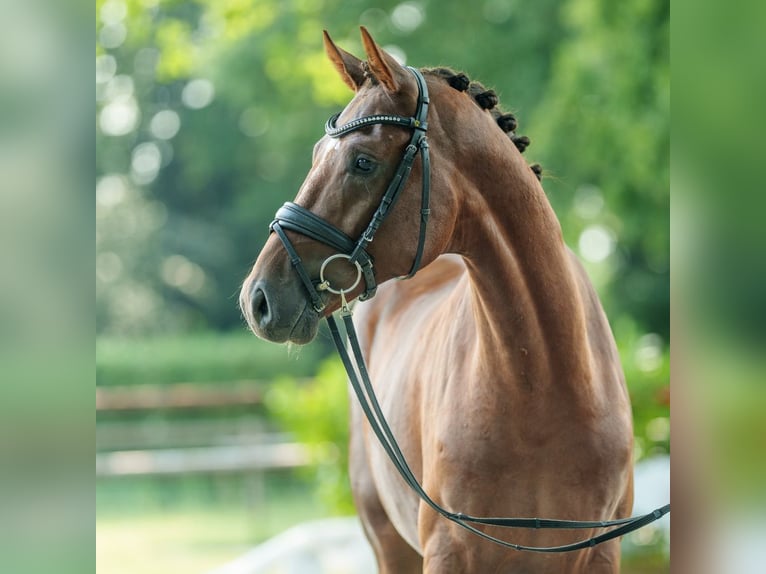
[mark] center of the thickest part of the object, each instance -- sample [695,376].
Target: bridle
[295,218]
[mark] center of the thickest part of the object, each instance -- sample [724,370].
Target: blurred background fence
[209,441]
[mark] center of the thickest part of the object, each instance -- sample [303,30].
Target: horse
[494,363]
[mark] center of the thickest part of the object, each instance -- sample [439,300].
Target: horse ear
[382,64]
[349,66]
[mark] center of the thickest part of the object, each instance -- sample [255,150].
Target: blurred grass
[193,540]
[189,542]
[192,524]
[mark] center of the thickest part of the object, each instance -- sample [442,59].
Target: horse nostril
[260,306]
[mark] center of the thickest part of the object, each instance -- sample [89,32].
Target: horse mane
[487,100]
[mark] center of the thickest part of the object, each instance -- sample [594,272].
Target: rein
[295,218]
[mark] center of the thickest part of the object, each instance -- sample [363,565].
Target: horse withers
[494,364]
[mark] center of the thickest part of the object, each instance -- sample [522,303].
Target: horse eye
[364,164]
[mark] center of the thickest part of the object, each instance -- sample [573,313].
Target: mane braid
[486,100]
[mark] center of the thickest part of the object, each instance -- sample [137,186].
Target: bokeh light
[198,93]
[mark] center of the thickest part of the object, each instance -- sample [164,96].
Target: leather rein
[293,217]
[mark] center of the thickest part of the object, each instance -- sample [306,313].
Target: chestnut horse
[495,365]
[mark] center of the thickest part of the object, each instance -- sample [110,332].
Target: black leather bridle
[295,218]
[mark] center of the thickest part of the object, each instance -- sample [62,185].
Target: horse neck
[524,295]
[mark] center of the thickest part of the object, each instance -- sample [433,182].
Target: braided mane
[487,100]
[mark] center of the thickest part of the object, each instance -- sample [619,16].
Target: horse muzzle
[278,313]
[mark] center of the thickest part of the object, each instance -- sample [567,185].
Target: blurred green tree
[207,112]
[605,128]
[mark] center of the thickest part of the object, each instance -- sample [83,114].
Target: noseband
[293,217]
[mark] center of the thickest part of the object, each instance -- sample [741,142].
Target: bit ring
[324,284]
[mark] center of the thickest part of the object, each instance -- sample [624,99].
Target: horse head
[349,182]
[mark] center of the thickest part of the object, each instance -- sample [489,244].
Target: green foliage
[646,363]
[316,412]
